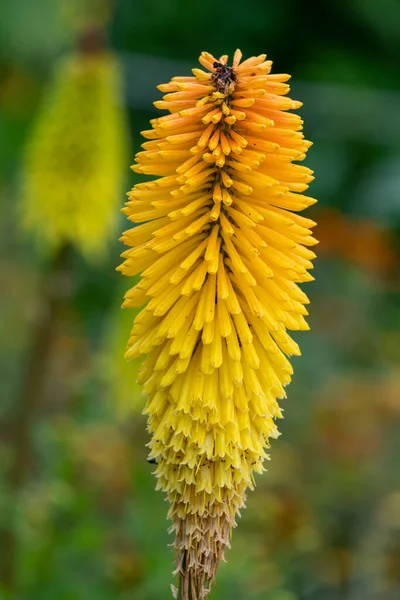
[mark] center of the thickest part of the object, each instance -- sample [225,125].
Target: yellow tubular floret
[221,251]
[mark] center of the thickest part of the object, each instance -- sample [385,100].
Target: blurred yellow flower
[73,168]
[220,248]
[119,377]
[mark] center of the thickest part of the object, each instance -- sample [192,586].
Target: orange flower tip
[231,120]
[309,202]
[202,102]
[207,64]
[159,104]
[208,56]
[149,134]
[201,75]
[237,57]
[181,86]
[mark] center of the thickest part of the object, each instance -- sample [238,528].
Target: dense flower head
[221,248]
[73,167]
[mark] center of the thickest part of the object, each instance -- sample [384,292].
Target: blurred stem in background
[72,174]
[56,291]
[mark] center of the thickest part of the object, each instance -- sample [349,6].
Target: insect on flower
[223,77]
[221,250]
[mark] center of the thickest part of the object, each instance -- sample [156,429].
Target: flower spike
[221,250]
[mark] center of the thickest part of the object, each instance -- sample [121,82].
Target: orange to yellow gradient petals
[221,248]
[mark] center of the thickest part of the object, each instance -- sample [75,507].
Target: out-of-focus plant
[360,241]
[123,392]
[75,153]
[71,180]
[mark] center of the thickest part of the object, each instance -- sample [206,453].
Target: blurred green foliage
[324,521]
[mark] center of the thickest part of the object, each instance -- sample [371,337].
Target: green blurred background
[82,521]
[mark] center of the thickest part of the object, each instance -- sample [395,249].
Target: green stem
[55,290]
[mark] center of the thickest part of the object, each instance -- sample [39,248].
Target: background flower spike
[73,166]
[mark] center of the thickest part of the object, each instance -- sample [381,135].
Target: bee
[223,77]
